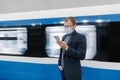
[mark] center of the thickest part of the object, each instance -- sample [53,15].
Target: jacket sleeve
[59,59]
[80,50]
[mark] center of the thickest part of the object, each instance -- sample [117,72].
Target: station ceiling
[15,6]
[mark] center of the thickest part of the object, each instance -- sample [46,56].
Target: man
[73,49]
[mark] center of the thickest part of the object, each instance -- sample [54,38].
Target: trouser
[67,78]
[63,75]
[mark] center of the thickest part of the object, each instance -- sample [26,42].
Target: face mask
[68,30]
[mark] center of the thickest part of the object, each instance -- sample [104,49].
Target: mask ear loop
[72,27]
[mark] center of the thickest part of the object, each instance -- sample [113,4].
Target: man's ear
[74,26]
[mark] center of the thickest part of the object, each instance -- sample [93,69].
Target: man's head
[69,24]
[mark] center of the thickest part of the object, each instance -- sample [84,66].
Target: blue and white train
[28,50]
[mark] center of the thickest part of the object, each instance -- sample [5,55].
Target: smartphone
[57,38]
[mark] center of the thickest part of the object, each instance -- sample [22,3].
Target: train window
[13,41]
[52,49]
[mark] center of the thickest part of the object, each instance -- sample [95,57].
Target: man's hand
[60,67]
[62,44]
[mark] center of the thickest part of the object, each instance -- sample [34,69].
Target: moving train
[29,51]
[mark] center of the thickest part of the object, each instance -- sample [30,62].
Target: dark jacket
[72,57]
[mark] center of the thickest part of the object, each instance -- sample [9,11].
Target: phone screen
[57,38]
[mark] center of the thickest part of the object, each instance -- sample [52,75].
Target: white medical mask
[68,30]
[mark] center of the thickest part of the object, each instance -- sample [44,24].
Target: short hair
[71,19]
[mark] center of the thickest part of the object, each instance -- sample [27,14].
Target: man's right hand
[62,44]
[60,67]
